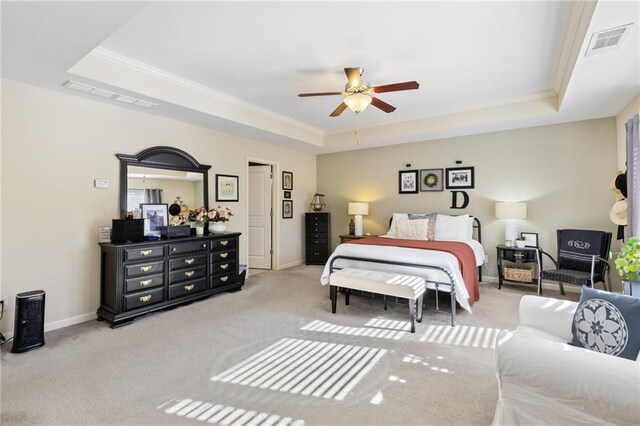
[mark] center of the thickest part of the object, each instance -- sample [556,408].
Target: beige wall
[562,172]
[54,145]
[627,112]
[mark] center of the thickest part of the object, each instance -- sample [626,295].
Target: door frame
[275,206]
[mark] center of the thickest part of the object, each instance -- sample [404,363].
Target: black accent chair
[582,259]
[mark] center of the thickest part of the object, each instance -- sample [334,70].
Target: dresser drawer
[141,283]
[188,262]
[187,274]
[222,256]
[144,269]
[190,247]
[184,289]
[224,268]
[143,298]
[223,244]
[319,236]
[144,253]
[225,279]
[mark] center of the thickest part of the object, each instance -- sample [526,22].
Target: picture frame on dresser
[155,217]
[530,239]
[287,209]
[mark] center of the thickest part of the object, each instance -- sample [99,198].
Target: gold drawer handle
[224,279]
[189,287]
[224,242]
[146,268]
[145,252]
[225,266]
[145,283]
[224,255]
[189,261]
[145,298]
[190,273]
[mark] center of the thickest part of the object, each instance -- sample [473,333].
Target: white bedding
[408,255]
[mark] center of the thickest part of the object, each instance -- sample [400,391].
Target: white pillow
[394,220]
[453,228]
[415,229]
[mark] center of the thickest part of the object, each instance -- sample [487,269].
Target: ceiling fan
[358,93]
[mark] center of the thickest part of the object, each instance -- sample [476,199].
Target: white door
[259,237]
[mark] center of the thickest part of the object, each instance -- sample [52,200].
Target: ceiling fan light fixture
[357,102]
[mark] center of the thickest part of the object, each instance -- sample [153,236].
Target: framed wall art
[431,180]
[287,180]
[226,188]
[287,209]
[155,217]
[460,177]
[530,239]
[408,182]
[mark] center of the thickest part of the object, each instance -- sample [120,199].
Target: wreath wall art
[431,180]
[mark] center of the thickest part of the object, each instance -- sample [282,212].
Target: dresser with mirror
[143,277]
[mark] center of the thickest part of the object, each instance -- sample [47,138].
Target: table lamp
[358,210]
[511,212]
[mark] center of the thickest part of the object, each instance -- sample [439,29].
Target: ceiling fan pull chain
[357,133]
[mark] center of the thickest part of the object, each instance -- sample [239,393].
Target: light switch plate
[101,183]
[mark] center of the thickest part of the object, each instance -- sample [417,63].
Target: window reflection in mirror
[157,186]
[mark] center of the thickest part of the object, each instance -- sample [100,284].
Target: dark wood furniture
[317,238]
[138,278]
[345,238]
[514,255]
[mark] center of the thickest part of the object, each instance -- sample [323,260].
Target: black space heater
[28,330]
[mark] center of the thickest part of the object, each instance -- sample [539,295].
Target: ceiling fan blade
[304,95]
[354,76]
[396,87]
[339,110]
[382,105]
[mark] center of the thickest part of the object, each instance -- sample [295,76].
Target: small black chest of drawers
[317,237]
[138,278]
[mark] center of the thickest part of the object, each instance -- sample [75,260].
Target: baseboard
[291,264]
[54,325]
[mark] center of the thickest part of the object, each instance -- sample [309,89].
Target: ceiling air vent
[85,88]
[604,41]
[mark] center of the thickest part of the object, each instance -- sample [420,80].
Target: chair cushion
[608,323]
[570,276]
[576,248]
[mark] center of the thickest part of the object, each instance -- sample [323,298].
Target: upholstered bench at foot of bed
[386,283]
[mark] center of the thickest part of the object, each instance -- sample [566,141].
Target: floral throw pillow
[608,323]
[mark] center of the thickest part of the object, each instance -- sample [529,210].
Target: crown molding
[114,57]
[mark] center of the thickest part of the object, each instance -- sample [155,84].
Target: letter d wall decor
[454,199]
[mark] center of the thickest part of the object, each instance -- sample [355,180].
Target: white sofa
[543,380]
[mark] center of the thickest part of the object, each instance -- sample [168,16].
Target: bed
[448,256]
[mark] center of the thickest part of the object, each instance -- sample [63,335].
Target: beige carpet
[270,354]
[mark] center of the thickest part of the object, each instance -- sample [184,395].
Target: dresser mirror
[160,175]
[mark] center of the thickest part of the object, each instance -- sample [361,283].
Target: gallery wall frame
[227,188]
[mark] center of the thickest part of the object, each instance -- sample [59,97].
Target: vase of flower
[217,227]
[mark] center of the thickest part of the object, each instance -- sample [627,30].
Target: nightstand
[345,238]
[511,261]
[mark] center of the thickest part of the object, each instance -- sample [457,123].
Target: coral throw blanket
[462,251]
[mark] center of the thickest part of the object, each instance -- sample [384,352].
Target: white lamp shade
[359,208]
[357,102]
[511,210]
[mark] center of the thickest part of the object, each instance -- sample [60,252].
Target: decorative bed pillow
[431,226]
[608,323]
[452,228]
[430,216]
[392,228]
[407,229]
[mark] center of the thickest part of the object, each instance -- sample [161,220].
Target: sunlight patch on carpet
[225,415]
[305,367]
[461,335]
[414,359]
[382,329]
